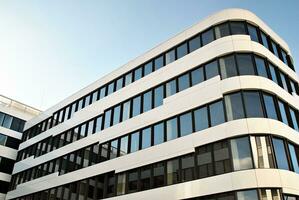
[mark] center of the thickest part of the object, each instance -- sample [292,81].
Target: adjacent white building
[212,113]
[13,116]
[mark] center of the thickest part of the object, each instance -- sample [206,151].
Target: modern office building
[211,113]
[13,115]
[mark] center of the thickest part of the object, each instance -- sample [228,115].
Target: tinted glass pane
[158,179]
[148,68]
[11,142]
[126,110]
[98,124]
[172,171]
[273,73]
[2,139]
[159,133]
[253,105]
[170,57]
[146,138]
[221,157]
[145,178]
[211,69]
[294,119]
[182,50]
[102,92]
[284,56]
[194,43]
[113,149]
[188,167]
[294,154]
[284,82]
[228,67]
[132,181]
[171,88]
[123,146]
[205,161]
[186,124]
[245,64]
[110,88]
[184,82]
[270,106]
[136,106]
[107,119]
[121,184]
[134,142]
[116,115]
[264,40]
[128,79]
[158,98]
[238,28]
[241,153]
[216,113]
[137,74]
[234,106]
[274,47]
[171,129]
[159,62]
[119,83]
[207,37]
[283,113]
[15,124]
[221,30]
[247,195]
[293,88]
[1,118]
[147,101]
[280,154]
[197,76]
[253,33]
[201,119]
[7,121]
[261,67]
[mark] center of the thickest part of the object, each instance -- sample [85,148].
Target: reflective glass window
[110,88]
[245,64]
[171,88]
[128,79]
[238,28]
[148,68]
[216,113]
[184,82]
[186,124]
[207,37]
[158,96]
[283,113]
[172,171]
[158,175]
[253,104]
[228,67]
[253,33]
[171,129]
[201,118]
[113,149]
[134,142]
[194,43]
[197,76]
[146,138]
[294,119]
[241,153]
[264,40]
[159,133]
[280,154]
[107,119]
[119,83]
[137,73]
[211,69]
[116,115]
[294,154]
[126,110]
[159,62]
[247,195]
[261,66]
[136,110]
[205,161]
[222,30]
[182,50]
[188,170]
[147,101]
[270,106]
[132,181]
[170,56]
[234,106]
[123,146]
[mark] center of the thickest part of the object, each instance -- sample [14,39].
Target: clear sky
[50,49]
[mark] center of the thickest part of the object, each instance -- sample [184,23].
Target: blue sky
[50,49]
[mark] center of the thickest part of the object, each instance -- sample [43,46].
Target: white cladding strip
[255,178]
[8,152]
[229,14]
[5,177]
[11,133]
[192,97]
[226,45]
[16,113]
